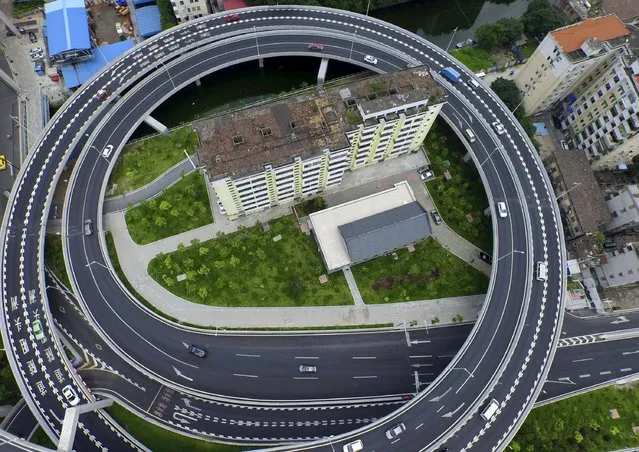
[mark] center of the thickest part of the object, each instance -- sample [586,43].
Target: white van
[481,74]
[473,83]
[542,271]
[490,410]
[470,135]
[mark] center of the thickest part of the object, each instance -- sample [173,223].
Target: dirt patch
[102,22]
[622,297]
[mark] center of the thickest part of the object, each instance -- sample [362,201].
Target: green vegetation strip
[475,58]
[464,193]
[159,439]
[582,423]
[249,268]
[144,161]
[42,439]
[23,7]
[181,207]
[54,258]
[428,272]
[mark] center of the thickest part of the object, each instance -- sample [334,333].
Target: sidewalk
[134,260]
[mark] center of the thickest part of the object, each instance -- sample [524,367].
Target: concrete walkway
[134,260]
[151,190]
[352,286]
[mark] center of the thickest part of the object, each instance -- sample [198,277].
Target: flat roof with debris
[241,143]
[327,223]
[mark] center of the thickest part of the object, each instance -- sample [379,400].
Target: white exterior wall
[621,268]
[185,10]
[624,209]
[302,178]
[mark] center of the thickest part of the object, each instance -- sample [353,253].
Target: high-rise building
[566,57]
[286,150]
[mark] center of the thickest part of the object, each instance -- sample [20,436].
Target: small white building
[619,268]
[186,10]
[624,210]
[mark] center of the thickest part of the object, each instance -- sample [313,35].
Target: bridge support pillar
[261,63]
[321,74]
[198,82]
[9,24]
[70,423]
[157,125]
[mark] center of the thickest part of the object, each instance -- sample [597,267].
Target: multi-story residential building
[186,10]
[565,57]
[573,9]
[601,112]
[581,201]
[619,268]
[624,210]
[276,153]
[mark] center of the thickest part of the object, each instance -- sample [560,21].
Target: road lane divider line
[247,356]
[245,375]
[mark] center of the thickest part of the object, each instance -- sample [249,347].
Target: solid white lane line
[245,375]
[307,357]
[364,357]
[584,376]
[582,360]
[366,376]
[247,356]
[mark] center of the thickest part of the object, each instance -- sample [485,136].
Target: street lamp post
[257,44]
[521,102]
[350,55]
[451,38]
[168,73]
[368,7]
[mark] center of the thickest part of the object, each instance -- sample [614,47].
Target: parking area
[103,20]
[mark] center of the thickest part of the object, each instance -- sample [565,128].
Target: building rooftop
[605,28]
[626,10]
[67,26]
[241,143]
[76,74]
[585,194]
[326,223]
[383,232]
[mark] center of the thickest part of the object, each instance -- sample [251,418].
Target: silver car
[395,431]
[88,226]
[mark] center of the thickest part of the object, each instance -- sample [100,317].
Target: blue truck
[451,74]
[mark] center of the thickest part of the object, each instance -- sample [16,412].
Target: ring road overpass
[507,354]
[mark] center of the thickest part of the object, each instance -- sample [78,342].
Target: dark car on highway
[197,351]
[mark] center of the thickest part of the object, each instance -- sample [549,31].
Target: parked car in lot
[38,331]
[370,59]
[33,37]
[197,351]
[486,258]
[426,173]
[69,393]
[233,18]
[305,368]
[436,216]
[395,431]
[315,46]
[499,128]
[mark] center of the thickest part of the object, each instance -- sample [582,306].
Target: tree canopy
[501,33]
[540,18]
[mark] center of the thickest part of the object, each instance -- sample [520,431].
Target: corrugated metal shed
[148,20]
[67,27]
[385,231]
[143,2]
[76,74]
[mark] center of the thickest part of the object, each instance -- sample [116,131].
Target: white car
[501,209]
[106,152]
[370,59]
[395,431]
[498,128]
[354,446]
[71,396]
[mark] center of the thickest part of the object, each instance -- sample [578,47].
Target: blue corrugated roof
[76,74]
[148,20]
[143,2]
[67,27]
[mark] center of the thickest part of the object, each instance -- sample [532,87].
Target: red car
[103,94]
[315,46]
[233,18]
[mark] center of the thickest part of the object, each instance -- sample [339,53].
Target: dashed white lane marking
[364,357]
[626,369]
[605,372]
[247,356]
[307,357]
[584,376]
[365,376]
[245,375]
[582,360]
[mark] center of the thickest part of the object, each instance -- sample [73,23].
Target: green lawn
[181,207]
[142,162]
[475,58]
[582,423]
[23,7]
[9,391]
[528,49]
[461,195]
[54,258]
[247,268]
[159,439]
[428,272]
